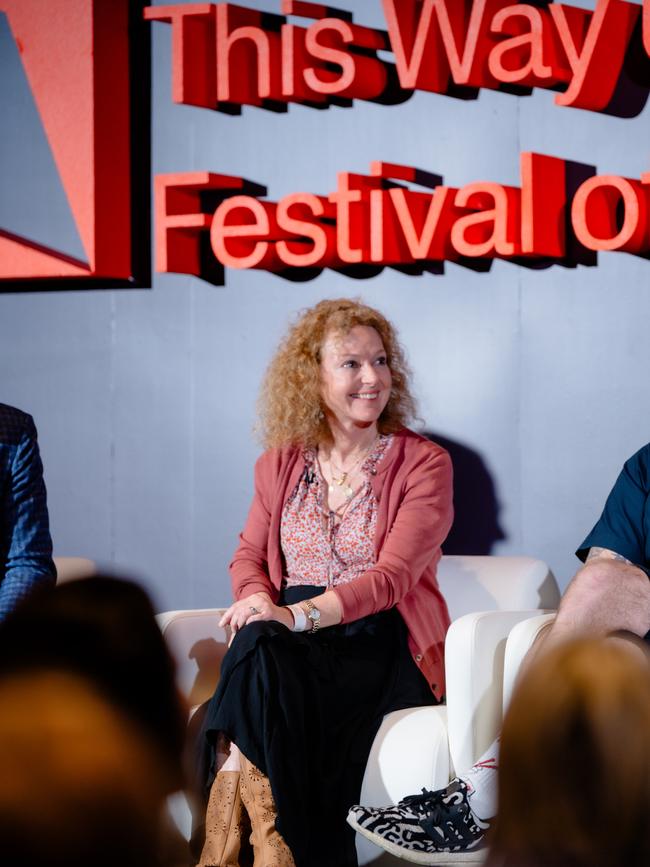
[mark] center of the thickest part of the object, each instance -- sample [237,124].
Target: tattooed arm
[606,554]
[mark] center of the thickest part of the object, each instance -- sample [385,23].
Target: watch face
[314,615]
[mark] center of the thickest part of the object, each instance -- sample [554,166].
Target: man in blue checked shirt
[25,543]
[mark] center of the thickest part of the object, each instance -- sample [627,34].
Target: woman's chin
[365,419]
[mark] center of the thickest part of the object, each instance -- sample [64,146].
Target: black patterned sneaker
[421,826]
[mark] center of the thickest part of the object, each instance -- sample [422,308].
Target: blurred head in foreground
[574,777]
[104,629]
[79,784]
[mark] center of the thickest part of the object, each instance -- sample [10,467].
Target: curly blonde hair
[290,406]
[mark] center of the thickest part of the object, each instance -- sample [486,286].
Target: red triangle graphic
[22,260]
[75,55]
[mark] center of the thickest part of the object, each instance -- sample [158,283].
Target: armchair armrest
[519,643]
[474,653]
[198,645]
[71,568]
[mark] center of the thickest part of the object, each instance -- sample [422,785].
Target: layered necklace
[339,477]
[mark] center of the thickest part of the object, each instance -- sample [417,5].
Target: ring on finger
[253,610]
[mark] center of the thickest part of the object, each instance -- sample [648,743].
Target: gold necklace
[341,481]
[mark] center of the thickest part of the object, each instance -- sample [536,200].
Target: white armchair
[71,568]
[487,597]
[419,746]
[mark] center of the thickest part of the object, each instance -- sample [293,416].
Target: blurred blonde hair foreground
[79,784]
[290,405]
[574,776]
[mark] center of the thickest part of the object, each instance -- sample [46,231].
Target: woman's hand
[256,607]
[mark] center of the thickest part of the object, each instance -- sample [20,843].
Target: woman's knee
[254,637]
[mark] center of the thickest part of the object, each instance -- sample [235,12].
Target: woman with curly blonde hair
[338,618]
[291,404]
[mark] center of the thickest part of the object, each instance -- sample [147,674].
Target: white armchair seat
[487,597]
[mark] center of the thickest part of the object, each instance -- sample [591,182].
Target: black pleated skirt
[305,709]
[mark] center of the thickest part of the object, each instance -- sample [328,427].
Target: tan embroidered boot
[223,822]
[268,845]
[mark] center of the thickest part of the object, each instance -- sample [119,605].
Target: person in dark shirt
[623,529]
[608,597]
[25,543]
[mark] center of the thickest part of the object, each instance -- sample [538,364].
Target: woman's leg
[268,844]
[224,819]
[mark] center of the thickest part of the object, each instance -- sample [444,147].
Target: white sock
[232,762]
[481,782]
[227,755]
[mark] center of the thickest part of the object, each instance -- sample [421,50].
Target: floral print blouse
[319,548]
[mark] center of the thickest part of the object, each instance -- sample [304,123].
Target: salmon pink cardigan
[413,487]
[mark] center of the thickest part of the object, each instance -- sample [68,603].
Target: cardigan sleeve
[421,523]
[249,568]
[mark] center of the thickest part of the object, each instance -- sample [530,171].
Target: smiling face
[355,377]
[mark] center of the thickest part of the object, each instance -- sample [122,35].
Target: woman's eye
[382,360]
[350,363]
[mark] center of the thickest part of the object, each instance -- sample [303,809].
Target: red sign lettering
[594,214]
[596,58]
[179,218]
[369,220]
[437,44]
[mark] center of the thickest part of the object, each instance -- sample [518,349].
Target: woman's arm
[422,522]
[249,567]
[259,606]
[254,593]
[423,519]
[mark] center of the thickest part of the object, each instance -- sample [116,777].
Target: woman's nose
[369,373]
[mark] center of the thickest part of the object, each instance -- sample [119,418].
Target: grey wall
[144,399]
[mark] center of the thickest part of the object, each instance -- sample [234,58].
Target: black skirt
[305,709]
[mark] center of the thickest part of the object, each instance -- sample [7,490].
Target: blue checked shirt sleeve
[24,524]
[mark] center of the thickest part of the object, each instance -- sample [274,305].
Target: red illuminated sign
[78,62]
[377,219]
[225,55]
[76,58]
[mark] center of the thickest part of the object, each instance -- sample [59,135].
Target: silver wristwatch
[313,614]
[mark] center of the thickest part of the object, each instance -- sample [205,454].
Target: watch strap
[313,614]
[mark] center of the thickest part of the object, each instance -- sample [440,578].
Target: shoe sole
[475,855]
